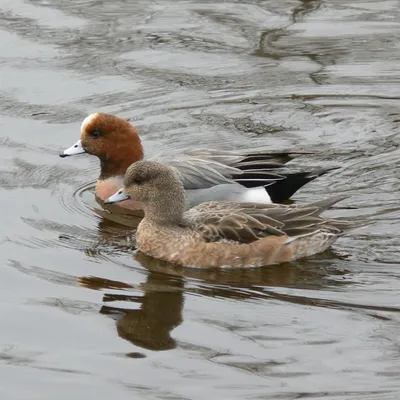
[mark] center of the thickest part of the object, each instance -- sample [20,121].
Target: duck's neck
[166,209]
[116,164]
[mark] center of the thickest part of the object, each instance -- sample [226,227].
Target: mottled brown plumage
[215,234]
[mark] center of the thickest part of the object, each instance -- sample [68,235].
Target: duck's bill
[75,149]
[117,197]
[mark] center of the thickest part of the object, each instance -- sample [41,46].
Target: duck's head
[146,181]
[112,139]
[156,186]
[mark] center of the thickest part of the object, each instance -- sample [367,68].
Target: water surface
[84,318]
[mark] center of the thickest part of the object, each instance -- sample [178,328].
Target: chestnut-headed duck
[205,174]
[217,234]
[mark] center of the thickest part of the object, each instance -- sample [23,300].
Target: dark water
[81,317]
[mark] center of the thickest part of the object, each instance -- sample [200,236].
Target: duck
[217,234]
[207,174]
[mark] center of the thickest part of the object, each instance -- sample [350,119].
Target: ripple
[100,242]
[80,200]
[94,233]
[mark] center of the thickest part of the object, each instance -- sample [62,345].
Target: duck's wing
[245,159]
[205,168]
[202,168]
[247,222]
[263,168]
[197,173]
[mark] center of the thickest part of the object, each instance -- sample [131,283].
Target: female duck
[216,234]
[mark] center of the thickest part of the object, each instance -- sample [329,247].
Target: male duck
[205,174]
[216,234]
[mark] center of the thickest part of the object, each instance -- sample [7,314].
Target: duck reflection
[159,312]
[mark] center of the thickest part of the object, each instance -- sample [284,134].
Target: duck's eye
[95,133]
[137,181]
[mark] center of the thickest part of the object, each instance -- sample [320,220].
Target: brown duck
[218,234]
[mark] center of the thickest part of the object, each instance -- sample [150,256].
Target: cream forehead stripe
[88,120]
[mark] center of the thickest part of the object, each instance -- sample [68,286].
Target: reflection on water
[160,309]
[83,314]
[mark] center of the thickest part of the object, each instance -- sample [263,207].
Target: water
[81,317]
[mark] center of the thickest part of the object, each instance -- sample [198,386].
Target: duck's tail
[280,185]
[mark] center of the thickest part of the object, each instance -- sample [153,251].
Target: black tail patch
[280,187]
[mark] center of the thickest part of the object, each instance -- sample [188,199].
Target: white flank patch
[256,195]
